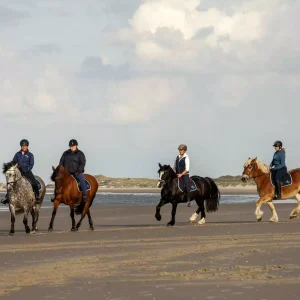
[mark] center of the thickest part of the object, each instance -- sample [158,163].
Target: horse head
[165,173]
[254,168]
[11,172]
[58,176]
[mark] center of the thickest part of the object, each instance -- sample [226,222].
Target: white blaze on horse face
[161,173]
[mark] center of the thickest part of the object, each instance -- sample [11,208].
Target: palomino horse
[66,192]
[21,196]
[207,191]
[260,173]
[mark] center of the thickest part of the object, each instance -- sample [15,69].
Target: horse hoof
[274,220]
[73,229]
[201,222]
[32,232]
[76,229]
[293,217]
[50,229]
[91,228]
[12,233]
[170,224]
[259,220]
[158,217]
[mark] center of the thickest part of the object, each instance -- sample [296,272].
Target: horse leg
[85,210]
[274,213]
[161,203]
[258,212]
[194,217]
[55,208]
[25,222]
[295,212]
[34,215]
[72,215]
[201,208]
[174,208]
[90,220]
[12,218]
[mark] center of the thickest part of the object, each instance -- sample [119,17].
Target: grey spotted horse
[21,196]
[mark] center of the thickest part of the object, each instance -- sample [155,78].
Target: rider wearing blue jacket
[182,169]
[25,161]
[278,167]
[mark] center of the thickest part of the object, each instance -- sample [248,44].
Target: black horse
[207,191]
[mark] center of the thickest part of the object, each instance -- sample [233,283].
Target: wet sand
[132,256]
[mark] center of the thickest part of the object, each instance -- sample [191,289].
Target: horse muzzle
[245,178]
[160,183]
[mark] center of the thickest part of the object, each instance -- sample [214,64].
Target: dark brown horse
[260,173]
[66,192]
[207,194]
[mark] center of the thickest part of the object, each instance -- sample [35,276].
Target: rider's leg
[187,184]
[34,185]
[83,187]
[5,200]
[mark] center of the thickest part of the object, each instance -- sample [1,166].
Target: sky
[131,80]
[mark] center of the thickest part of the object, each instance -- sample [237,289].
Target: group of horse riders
[74,161]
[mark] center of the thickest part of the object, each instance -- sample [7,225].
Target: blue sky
[133,79]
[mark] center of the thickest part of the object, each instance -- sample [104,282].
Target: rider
[182,168]
[25,161]
[278,167]
[74,161]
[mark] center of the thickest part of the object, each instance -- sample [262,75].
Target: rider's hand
[179,175]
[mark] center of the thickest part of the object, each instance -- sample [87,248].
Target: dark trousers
[187,184]
[81,179]
[33,182]
[278,174]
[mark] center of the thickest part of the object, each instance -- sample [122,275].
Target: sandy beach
[132,256]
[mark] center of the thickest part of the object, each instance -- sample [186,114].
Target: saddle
[182,187]
[88,185]
[284,181]
[37,182]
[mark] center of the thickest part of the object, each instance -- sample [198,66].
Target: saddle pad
[285,180]
[182,187]
[88,185]
[39,185]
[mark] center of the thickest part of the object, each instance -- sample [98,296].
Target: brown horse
[260,173]
[66,192]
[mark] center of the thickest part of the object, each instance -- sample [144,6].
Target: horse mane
[59,169]
[261,166]
[7,166]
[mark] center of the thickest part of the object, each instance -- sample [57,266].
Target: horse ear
[160,165]
[255,159]
[53,168]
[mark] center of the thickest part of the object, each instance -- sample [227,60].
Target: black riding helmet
[277,144]
[73,143]
[24,143]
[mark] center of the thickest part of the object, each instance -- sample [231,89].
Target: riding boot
[84,199]
[5,200]
[188,197]
[278,185]
[36,194]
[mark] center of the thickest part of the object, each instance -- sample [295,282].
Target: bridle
[244,173]
[12,182]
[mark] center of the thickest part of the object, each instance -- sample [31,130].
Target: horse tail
[212,203]
[79,208]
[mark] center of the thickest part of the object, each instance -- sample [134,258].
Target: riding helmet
[73,143]
[182,147]
[24,143]
[277,144]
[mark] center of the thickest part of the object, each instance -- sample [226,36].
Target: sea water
[123,199]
